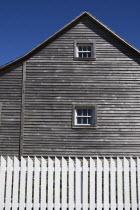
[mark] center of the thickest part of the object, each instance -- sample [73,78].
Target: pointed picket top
[36,183]
[29,183]
[64,184]
[126,184]
[106,184]
[22,184]
[43,184]
[99,183]
[119,184]
[85,184]
[71,184]
[138,176]
[15,184]
[8,183]
[2,180]
[57,183]
[133,183]
[112,183]
[92,184]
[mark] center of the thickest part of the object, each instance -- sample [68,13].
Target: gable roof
[28,54]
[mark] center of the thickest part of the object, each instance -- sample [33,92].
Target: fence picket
[50,184]
[64,184]
[112,184]
[15,184]
[8,184]
[106,184]
[92,184]
[126,185]
[2,181]
[36,183]
[22,184]
[119,184]
[133,184]
[71,184]
[99,184]
[29,183]
[75,184]
[78,184]
[85,184]
[57,183]
[138,171]
[43,184]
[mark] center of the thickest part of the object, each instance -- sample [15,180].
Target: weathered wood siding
[54,81]
[10,99]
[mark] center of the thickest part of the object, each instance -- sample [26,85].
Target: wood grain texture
[10,98]
[54,81]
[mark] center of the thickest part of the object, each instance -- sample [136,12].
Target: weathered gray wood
[54,80]
[10,98]
[22,109]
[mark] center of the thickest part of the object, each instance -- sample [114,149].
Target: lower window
[84,115]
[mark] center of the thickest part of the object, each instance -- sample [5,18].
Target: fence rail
[73,183]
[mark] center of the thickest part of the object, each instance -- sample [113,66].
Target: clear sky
[26,23]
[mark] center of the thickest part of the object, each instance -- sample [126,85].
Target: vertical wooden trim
[22,109]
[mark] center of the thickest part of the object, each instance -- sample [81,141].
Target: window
[84,116]
[84,50]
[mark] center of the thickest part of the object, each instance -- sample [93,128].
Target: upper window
[84,50]
[84,115]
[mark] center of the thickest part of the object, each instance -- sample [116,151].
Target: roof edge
[24,57]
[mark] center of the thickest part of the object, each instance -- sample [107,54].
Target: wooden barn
[75,94]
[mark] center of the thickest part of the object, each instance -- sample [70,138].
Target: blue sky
[24,24]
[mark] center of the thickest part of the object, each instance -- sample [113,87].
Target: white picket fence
[73,183]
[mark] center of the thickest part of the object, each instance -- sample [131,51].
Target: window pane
[90,120]
[80,55]
[79,112]
[84,55]
[84,120]
[80,48]
[84,112]
[89,55]
[84,48]
[78,120]
[89,48]
[90,112]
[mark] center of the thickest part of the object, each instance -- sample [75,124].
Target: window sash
[86,117]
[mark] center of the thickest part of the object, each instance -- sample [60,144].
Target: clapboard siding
[10,98]
[37,101]
[54,80]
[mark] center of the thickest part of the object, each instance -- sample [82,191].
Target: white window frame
[75,116]
[82,51]
[78,43]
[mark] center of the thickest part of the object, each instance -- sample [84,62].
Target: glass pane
[90,120]
[84,112]
[80,48]
[90,112]
[89,48]
[84,120]
[84,48]
[89,55]
[80,55]
[84,55]
[79,112]
[78,120]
